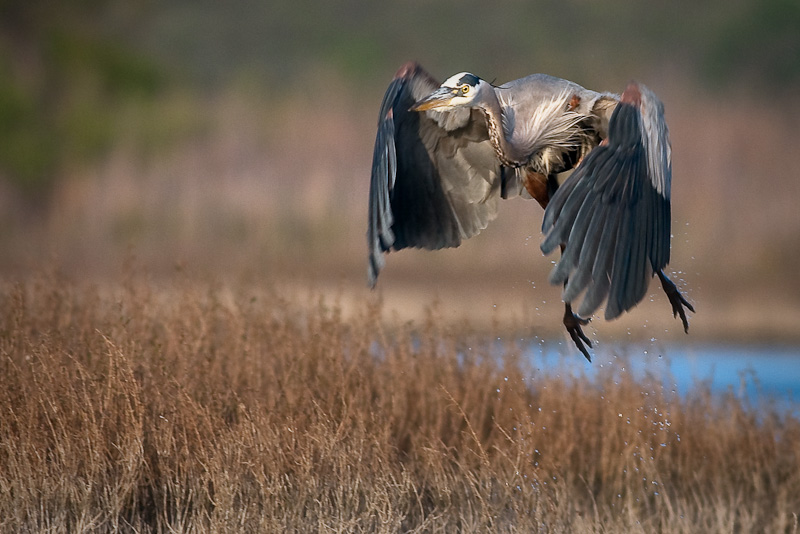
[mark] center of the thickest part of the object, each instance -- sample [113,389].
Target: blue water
[755,374]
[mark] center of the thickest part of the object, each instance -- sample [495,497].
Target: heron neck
[507,153]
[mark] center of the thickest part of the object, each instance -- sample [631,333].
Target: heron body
[599,163]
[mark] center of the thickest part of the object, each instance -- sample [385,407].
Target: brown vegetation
[209,407]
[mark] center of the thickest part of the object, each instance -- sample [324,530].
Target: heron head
[460,90]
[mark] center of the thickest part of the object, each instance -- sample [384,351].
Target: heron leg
[676,299]
[536,184]
[573,324]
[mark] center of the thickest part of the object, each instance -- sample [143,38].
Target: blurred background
[232,140]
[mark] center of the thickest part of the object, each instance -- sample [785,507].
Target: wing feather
[435,178]
[619,235]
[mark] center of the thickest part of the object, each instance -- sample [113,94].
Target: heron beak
[438,99]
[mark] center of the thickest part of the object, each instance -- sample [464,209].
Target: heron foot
[676,299]
[573,323]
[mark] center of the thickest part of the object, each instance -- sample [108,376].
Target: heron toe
[573,324]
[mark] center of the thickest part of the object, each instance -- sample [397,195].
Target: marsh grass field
[228,407]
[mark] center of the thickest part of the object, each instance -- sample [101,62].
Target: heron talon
[573,324]
[676,299]
[678,303]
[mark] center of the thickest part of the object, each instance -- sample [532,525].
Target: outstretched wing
[435,178]
[612,216]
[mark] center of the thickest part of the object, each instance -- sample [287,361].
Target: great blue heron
[445,154]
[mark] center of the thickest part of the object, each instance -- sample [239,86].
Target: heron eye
[465,89]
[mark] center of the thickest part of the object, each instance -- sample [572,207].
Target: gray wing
[612,216]
[435,179]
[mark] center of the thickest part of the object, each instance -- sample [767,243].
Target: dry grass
[209,408]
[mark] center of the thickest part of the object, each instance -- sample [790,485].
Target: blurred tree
[70,71]
[63,77]
[757,45]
